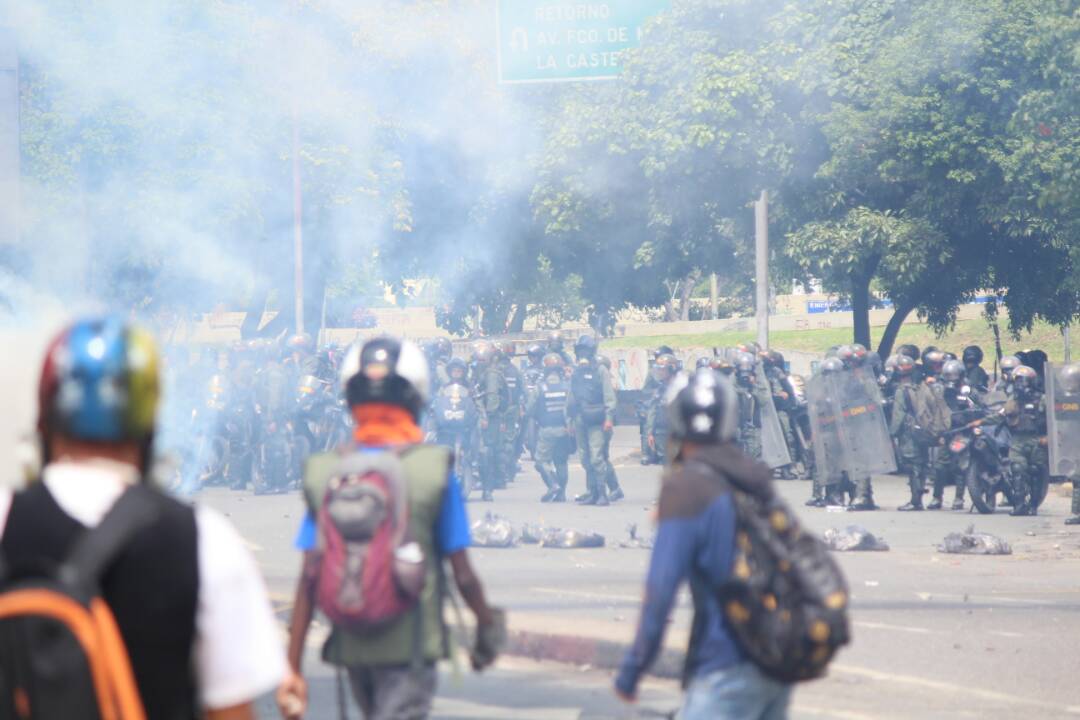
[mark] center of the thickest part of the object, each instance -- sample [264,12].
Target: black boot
[559,496]
[816,502]
[915,504]
[601,496]
[862,504]
[586,498]
[1074,520]
[935,504]
[1021,510]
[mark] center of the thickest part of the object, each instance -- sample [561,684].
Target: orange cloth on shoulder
[381,424]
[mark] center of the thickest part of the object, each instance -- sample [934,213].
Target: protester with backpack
[117,601]
[769,602]
[381,519]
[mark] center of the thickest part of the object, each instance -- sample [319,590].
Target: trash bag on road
[559,538]
[531,534]
[854,539]
[973,543]
[493,532]
[636,541]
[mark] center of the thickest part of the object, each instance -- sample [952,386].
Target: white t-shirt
[238,652]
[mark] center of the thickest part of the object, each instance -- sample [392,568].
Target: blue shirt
[699,549]
[451,531]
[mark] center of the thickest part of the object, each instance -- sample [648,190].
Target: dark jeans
[394,692]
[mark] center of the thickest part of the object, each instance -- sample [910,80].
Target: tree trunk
[669,311]
[517,320]
[686,292]
[892,329]
[860,306]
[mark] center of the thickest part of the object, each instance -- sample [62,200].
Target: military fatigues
[591,404]
[656,422]
[644,412]
[1028,455]
[977,378]
[964,410]
[532,376]
[495,409]
[912,452]
[511,442]
[553,443]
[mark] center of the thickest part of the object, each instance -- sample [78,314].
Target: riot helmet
[665,367]
[745,366]
[1025,379]
[457,370]
[952,373]
[555,341]
[702,408]
[536,354]
[933,362]
[905,366]
[703,362]
[776,359]
[604,360]
[1009,363]
[972,356]
[386,370]
[831,366]
[585,348]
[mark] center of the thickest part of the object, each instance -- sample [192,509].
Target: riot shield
[824,411]
[774,449]
[868,447]
[1062,425]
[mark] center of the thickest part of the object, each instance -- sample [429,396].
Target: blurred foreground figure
[161,600]
[380,522]
[769,602]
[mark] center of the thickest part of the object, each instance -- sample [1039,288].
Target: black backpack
[61,652]
[786,599]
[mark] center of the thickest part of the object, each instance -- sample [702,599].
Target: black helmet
[889,370]
[926,352]
[386,370]
[952,372]
[536,353]
[585,348]
[663,350]
[1025,378]
[912,351]
[443,348]
[555,340]
[776,359]
[831,366]
[933,362]
[702,408]
[703,362]
[456,364]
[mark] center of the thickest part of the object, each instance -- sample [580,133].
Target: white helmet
[386,370]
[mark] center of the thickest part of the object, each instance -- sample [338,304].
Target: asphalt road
[936,635]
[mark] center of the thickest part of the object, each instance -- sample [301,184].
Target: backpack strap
[135,510]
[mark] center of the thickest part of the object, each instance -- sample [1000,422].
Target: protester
[388,647]
[189,603]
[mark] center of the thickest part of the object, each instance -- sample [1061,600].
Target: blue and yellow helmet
[100,382]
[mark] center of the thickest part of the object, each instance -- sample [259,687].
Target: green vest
[427,470]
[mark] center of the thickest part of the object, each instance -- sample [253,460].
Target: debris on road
[493,531]
[854,538]
[636,541]
[973,543]
[558,538]
[531,534]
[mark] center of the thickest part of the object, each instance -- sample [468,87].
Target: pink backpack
[372,570]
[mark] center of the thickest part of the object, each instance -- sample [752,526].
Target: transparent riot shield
[1062,423]
[868,447]
[824,413]
[774,449]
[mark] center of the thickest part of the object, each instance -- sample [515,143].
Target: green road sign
[563,40]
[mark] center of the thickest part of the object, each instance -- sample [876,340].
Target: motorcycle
[980,457]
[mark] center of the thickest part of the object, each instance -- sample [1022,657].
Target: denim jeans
[740,692]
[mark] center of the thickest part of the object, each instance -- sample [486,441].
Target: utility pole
[714,297]
[761,265]
[9,138]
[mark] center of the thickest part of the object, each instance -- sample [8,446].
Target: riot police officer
[784,399]
[515,383]
[591,407]
[547,409]
[749,405]
[494,406]
[974,374]
[1025,414]
[913,452]
[615,492]
[1004,383]
[556,344]
[964,409]
[656,424]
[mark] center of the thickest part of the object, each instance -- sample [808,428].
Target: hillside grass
[966,332]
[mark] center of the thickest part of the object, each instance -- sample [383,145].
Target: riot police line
[256,410]
[939,419]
